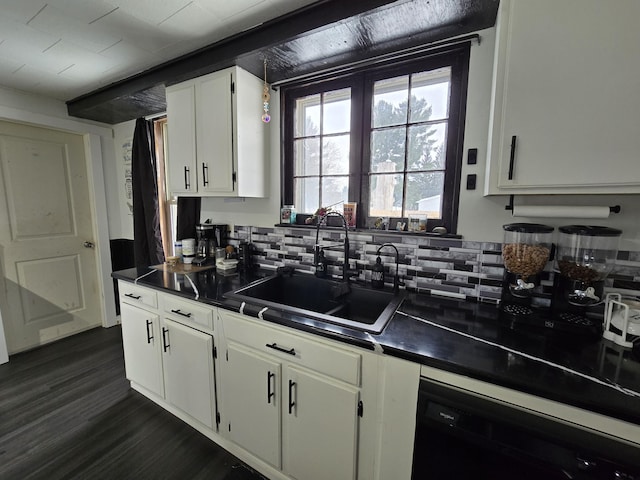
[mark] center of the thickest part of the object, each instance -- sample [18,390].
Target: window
[389,138]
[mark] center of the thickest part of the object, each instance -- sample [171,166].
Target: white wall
[45,112]
[121,218]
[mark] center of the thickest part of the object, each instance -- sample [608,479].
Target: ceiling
[110,60]
[66,48]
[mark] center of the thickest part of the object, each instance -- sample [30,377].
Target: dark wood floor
[67,412]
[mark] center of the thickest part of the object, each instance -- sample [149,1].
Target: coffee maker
[526,251]
[585,256]
[209,236]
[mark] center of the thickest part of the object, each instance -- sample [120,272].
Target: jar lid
[590,230]
[527,228]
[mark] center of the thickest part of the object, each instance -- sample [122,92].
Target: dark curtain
[147,239]
[188,215]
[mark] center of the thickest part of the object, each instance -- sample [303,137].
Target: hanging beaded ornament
[266,118]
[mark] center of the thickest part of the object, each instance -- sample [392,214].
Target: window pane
[424,194]
[335,155]
[307,116]
[386,195]
[307,194]
[430,95]
[334,190]
[427,147]
[387,149]
[390,101]
[337,112]
[306,156]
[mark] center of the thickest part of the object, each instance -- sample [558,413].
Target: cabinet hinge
[360,408]
[233,87]
[233,177]
[215,352]
[217,418]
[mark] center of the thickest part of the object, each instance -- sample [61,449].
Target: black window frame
[361,82]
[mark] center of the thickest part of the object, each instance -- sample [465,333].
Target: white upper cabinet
[565,103]
[216,138]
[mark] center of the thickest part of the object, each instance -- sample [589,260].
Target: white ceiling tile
[82,60]
[60,24]
[194,21]
[152,11]
[137,31]
[280,7]
[21,10]
[225,10]
[83,10]
[24,38]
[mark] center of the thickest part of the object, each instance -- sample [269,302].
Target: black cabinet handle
[179,312]
[291,402]
[205,174]
[131,295]
[512,157]
[275,346]
[149,331]
[165,344]
[270,393]
[187,184]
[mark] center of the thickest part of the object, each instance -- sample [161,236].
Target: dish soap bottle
[377,274]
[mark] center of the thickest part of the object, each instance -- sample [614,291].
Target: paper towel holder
[614,209]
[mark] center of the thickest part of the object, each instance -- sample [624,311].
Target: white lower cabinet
[252,400]
[141,343]
[284,407]
[320,416]
[169,359]
[187,360]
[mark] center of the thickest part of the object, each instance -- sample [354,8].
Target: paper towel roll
[553,211]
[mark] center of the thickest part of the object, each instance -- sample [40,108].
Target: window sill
[369,230]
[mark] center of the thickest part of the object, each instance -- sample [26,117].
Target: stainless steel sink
[325,300]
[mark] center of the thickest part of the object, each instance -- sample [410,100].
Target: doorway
[48,262]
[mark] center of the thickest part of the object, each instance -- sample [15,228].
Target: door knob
[89,245]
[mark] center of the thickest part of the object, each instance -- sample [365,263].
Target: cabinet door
[566,89]
[187,357]
[252,402]
[320,427]
[141,344]
[214,134]
[181,141]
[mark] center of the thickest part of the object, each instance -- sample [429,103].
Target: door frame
[98,143]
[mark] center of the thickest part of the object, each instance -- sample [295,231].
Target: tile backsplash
[447,266]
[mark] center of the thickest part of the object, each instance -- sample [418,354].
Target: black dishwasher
[462,435]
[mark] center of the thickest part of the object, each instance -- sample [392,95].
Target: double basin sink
[331,301]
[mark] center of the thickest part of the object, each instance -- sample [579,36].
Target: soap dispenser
[377,274]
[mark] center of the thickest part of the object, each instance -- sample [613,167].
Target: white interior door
[47,254]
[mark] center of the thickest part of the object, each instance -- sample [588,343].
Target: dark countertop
[461,337]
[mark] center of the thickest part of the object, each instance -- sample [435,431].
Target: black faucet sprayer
[317,247]
[396,278]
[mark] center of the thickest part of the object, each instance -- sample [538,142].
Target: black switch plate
[471,182]
[472,156]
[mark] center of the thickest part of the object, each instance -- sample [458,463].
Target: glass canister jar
[525,252]
[585,257]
